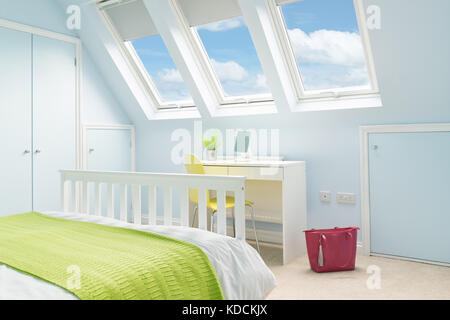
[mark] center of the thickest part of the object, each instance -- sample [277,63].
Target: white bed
[240,269]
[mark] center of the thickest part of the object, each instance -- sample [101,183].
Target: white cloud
[170,75]
[170,85]
[356,77]
[229,70]
[223,25]
[172,91]
[329,58]
[236,80]
[261,82]
[327,47]
[327,77]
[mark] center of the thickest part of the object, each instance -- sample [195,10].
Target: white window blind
[130,18]
[200,12]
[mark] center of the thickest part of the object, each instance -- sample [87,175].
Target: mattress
[242,273]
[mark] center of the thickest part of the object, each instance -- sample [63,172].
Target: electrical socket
[325,196]
[346,198]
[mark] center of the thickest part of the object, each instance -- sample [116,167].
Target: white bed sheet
[240,269]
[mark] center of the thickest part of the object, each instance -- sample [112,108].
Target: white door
[409,195]
[54,118]
[109,150]
[15,122]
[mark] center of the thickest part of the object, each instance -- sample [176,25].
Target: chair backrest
[193,165]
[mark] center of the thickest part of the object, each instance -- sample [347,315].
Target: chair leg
[234,224]
[211,223]
[254,227]
[195,214]
[212,220]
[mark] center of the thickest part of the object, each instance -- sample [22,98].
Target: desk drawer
[257,173]
[216,170]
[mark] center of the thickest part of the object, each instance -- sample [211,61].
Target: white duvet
[240,269]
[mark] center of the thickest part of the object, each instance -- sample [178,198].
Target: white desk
[278,189]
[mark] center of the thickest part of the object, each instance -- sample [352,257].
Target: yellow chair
[194,166]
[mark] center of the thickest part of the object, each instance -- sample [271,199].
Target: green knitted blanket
[96,262]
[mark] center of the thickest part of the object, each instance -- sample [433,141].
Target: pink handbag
[331,249]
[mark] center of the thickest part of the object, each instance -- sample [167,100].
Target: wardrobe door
[15,122]
[54,118]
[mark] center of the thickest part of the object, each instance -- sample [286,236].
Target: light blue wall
[99,104]
[411,54]
[96,38]
[45,14]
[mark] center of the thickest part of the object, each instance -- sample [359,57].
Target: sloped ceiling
[96,39]
[129,92]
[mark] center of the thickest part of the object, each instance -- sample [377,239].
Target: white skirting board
[263,235]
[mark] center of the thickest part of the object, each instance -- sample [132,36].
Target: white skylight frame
[256,100]
[223,99]
[138,64]
[294,68]
[141,73]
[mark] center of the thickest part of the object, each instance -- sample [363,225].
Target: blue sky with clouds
[312,15]
[234,57]
[323,34]
[325,39]
[161,68]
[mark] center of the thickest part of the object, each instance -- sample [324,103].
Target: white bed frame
[75,197]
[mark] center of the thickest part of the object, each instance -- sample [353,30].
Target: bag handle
[320,260]
[320,257]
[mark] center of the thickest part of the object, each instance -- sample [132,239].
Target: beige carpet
[398,279]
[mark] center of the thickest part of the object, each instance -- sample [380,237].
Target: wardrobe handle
[37,151]
[27,152]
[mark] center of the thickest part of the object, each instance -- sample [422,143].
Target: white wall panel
[15,121]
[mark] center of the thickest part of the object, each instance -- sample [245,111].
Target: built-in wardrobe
[38,119]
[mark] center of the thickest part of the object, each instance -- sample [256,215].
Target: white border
[365,180]
[78,54]
[131,128]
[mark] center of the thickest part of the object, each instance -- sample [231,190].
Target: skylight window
[146,53]
[233,58]
[155,57]
[325,48]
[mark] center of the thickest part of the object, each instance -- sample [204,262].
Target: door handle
[37,151]
[27,152]
[91,150]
